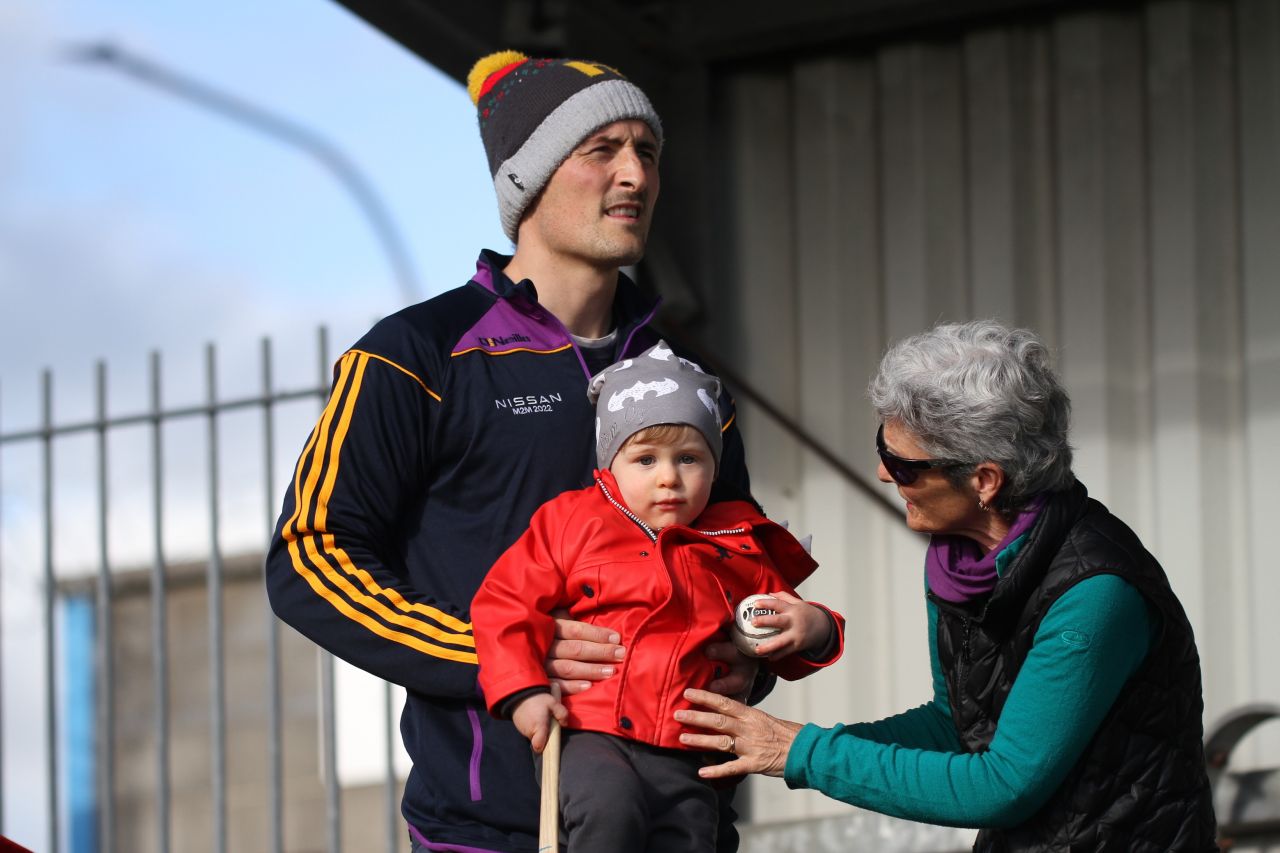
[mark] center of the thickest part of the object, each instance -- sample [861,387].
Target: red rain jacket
[666,598]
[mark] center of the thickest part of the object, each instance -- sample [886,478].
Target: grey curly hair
[976,392]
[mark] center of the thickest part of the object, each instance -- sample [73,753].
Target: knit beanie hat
[655,387]
[534,112]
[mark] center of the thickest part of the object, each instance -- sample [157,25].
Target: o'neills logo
[751,612]
[528,404]
[513,338]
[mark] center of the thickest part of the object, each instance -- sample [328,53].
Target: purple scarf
[960,572]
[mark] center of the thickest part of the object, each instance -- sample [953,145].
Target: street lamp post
[283,130]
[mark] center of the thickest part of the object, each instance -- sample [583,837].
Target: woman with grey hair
[1066,710]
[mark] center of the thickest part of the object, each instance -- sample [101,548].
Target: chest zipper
[963,652]
[653,537]
[649,531]
[728,532]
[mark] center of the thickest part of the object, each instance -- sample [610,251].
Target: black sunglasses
[905,471]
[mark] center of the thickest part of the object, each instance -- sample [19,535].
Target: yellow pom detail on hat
[485,66]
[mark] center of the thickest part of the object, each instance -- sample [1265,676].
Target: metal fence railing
[157,421]
[56,792]
[148,472]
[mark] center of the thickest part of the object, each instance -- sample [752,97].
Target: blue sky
[131,221]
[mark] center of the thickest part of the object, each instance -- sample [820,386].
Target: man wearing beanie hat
[452,421]
[534,113]
[643,551]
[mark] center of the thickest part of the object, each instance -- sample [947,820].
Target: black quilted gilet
[1140,784]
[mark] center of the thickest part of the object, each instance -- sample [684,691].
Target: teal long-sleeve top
[912,765]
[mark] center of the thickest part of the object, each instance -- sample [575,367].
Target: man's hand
[737,673]
[581,654]
[533,718]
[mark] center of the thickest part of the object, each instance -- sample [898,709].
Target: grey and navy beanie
[656,387]
[533,112]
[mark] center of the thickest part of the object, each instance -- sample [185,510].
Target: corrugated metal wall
[1110,178]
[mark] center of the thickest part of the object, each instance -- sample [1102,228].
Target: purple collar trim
[517,323]
[484,274]
[958,570]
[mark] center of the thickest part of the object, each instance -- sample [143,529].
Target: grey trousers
[619,796]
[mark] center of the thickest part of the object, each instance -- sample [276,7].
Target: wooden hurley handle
[549,818]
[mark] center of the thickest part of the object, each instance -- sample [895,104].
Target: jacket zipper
[653,537]
[962,653]
[649,531]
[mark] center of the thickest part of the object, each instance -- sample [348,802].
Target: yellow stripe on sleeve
[351,372]
[373,625]
[322,518]
[340,434]
[392,595]
[343,583]
[315,444]
[403,370]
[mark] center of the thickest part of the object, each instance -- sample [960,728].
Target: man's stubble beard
[629,256]
[625,252]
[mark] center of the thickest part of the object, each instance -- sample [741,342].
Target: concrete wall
[248,820]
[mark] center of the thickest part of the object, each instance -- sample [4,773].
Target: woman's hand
[581,654]
[760,741]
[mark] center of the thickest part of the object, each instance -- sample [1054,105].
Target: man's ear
[987,480]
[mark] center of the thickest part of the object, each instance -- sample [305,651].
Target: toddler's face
[668,482]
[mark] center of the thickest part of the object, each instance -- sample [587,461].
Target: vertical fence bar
[217,683]
[105,680]
[329,721]
[159,614]
[50,669]
[2,692]
[274,727]
[389,754]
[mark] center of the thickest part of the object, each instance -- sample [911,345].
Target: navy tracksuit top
[448,424]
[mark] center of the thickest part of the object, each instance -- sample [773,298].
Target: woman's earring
[982,505]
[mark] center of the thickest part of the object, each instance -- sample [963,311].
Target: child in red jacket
[644,553]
